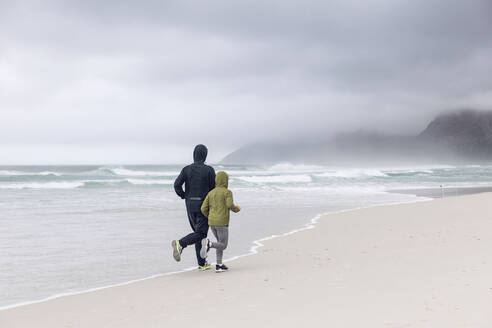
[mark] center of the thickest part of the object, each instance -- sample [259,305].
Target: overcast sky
[144,81]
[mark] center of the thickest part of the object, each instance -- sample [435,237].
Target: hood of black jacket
[200,154]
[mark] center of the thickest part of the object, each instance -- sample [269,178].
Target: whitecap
[16,173]
[150,182]
[276,178]
[47,185]
[136,173]
[288,167]
[353,173]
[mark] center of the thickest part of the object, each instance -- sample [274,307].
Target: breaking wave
[276,178]
[47,185]
[150,182]
[291,168]
[20,173]
[137,173]
[86,184]
[353,173]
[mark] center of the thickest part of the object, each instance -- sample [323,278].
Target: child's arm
[230,203]
[205,207]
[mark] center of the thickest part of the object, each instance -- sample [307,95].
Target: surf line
[253,250]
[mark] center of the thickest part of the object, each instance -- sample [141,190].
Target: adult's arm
[205,207]
[211,179]
[178,185]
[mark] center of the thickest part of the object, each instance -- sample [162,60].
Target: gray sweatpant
[222,235]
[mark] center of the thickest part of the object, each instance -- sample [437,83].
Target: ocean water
[67,229]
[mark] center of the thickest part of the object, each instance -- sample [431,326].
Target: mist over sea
[67,229]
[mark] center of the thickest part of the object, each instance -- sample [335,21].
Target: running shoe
[204,267]
[176,250]
[221,268]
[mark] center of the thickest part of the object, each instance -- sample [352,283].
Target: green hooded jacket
[219,202]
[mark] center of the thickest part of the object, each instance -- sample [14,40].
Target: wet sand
[443,192]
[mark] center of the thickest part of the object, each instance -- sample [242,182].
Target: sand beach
[425,264]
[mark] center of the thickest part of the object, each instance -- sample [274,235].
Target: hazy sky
[144,81]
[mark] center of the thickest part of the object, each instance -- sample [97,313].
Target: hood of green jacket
[222,179]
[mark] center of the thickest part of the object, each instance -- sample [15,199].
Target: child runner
[216,207]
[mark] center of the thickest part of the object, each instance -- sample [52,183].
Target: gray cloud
[147,80]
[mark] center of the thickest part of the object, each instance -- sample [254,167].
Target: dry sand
[427,264]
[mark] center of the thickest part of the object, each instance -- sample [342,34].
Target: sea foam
[276,178]
[19,173]
[353,173]
[136,173]
[47,185]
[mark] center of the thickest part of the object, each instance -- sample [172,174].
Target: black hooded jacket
[198,178]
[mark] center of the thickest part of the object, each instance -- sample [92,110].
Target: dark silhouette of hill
[459,137]
[467,134]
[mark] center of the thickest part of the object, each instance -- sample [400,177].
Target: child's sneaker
[176,250]
[204,267]
[206,244]
[221,268]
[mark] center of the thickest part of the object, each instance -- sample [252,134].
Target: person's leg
[190,238]
[179,245]
[219,252]
[222,235]
[201,229]
[199,225]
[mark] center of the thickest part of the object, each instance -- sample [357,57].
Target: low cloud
[162,76]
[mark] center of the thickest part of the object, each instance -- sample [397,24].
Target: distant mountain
[464,136]
[467,134]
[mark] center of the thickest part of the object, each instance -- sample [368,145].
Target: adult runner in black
[198,179]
